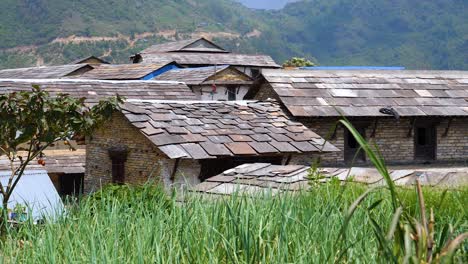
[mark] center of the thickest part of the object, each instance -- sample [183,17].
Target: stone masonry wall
[391,137]
[144,162]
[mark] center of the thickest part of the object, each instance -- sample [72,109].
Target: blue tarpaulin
[36,191]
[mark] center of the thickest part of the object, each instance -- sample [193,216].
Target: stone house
[202,52]
[185,142]
[67,168]
[412,116]
[212,83]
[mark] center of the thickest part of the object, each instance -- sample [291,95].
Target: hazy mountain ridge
[416,34]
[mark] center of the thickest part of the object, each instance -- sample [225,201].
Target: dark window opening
[118,157]
[210,168]
[352,149]
[255,73]
[71,184]
[231,91]
[118,171]
[425,143]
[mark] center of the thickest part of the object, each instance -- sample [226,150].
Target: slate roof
[208,129]
[57,161]
[44,72]
[121,71]
[263,177]
[197,76]
[200,59]
[255,178]
[95,90]
[183,45]
[85,59]
[308,93]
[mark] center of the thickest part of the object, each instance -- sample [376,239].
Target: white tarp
[36,191]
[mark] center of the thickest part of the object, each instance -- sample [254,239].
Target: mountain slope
[416,34]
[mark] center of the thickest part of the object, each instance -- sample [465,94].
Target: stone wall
[391,136]
[144,162]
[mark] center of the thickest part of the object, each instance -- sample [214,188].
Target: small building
[412,116]
[66,168]
[212,82]
[203,52]
[92,60]
[186,142]
[140,71]
[45,72]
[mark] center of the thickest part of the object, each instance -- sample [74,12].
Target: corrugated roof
[121,71]
[308,93]
[199,59]
[44,72]
[36,191]
[95,90]
[206,130]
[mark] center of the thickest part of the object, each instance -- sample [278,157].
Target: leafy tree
[298,62]
[32,121]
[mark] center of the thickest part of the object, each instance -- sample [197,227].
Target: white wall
[205,92]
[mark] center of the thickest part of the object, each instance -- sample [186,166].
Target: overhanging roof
[210,129]
[358,93]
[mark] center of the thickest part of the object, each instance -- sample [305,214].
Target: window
[352,149]
[255,73]
[425,142]
[118,157]
[231,91]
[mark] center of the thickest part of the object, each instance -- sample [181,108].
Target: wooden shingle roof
[200,59]
[122,71]
[44,72]
[207,130]
[95,90]
[308,93]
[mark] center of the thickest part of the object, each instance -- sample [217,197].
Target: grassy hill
[416,34]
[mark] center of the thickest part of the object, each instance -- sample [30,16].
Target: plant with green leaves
[408,239]
[298,62]
[31,121]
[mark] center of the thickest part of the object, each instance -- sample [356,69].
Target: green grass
[143,225]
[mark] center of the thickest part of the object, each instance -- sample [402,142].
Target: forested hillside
[416,34]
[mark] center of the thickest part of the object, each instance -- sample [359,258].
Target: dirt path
[167,34]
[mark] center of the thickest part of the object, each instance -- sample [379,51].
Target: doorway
[425,143]
[353,153]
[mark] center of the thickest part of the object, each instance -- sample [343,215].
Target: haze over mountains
[429,34]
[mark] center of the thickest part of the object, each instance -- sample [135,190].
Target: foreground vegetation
[144,225]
